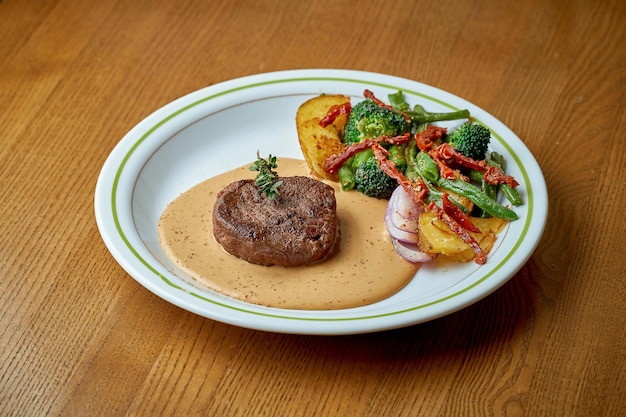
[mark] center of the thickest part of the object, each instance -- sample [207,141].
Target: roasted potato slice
[437,238]
[317,142]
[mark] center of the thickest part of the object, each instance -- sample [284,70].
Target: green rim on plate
[275,312]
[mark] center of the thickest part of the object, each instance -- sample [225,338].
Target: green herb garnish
[266,179]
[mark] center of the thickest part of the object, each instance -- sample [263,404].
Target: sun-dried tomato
[334,112]
[457,214]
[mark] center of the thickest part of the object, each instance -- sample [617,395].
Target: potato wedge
[437,238]
[317,142]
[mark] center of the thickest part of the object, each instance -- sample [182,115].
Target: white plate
[221,127]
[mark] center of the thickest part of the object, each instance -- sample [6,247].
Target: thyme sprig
[267,180]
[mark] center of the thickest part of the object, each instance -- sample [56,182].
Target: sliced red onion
[397,233]
[411,252]
[404,205]
[402,222]
[403,214]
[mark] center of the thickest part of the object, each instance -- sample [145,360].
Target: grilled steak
[298,228]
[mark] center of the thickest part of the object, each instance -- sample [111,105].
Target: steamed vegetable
[370,180]
[369,120]
[442,185]
[402,222]
[471,139]
[419,116]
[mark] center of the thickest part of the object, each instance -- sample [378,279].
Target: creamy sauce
[365,269]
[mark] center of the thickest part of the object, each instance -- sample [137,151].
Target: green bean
[414,171]
[476,176]
[479,177]
[497,160]
[426,167]
[409,156]
[410,150]
[346,176]
[490,190]
[435,194]
[511,194]
[361,157]
[420,116]
[396,154]
[478,197]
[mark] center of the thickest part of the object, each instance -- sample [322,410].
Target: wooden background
[78,336]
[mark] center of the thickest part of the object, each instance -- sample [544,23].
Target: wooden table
[79,336]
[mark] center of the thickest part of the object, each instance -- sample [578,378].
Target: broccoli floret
[370,180]
[470,139]
[368,120]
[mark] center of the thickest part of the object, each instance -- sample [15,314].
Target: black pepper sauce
[365,269]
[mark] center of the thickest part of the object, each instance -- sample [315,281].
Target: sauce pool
[363,271]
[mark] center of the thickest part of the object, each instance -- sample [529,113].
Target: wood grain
[79,337]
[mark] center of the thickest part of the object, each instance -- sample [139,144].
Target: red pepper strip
[428,137]
[334,162]
[480,258]
[417,190]
[457,214]
[493,175]
[370,95]
[334,112]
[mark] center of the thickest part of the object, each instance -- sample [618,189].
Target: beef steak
[297,228]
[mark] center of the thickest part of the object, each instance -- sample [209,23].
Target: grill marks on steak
[298,228]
